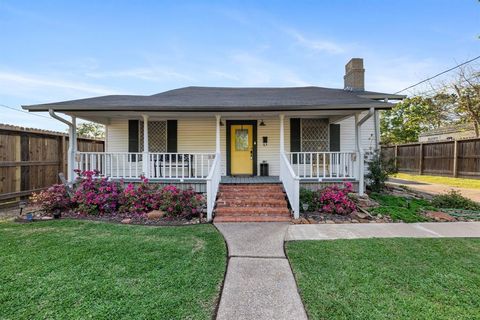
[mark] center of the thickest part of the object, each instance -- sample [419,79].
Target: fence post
[18,167]
[455,158]
[420,164]
[395,157]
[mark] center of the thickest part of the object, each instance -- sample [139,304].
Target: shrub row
[93,195]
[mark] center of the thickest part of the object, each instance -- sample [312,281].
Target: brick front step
[248,218]
[251,195]
[251,203]
[267,203]
[252,210]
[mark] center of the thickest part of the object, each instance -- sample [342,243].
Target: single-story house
[207,136]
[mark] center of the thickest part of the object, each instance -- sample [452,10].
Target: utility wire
[438,74]
[32,114]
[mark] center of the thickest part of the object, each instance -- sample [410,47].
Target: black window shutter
[171,135]
[295,143]
[334,137]
[133,136]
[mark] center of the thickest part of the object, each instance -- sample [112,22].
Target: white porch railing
[213,182]
[291,184]
[323,165]
[130,165]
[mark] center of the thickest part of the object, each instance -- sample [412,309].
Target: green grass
[77,269]
[448,181]
[388,278]
[400,208]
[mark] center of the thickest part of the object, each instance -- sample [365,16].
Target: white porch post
[217,134]
[282,139]
[360,157]
[376,119]
[282,134]
[146,157]
[72,149]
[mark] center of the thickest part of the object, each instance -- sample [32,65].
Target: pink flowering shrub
[96,195]
[334,199]
[139,199]
[53,198]
[176,202]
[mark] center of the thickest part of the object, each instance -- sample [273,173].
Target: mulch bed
[38,216]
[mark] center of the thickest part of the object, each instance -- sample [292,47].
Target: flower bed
[98,198]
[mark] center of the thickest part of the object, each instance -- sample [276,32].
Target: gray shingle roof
[226,99]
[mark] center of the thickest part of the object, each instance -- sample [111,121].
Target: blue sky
[60,50]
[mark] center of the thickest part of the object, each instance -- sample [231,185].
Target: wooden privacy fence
[31,159]
[459,158]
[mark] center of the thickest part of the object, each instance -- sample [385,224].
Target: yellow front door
[241,149]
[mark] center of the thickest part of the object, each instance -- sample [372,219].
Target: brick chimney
[354,79]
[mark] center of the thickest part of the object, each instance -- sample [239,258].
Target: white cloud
[40,87]
[322,46]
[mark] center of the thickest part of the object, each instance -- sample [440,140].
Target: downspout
[361,165]
[72,142]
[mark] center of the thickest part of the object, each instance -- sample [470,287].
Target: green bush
[306,197]
[379,170]
[454,200]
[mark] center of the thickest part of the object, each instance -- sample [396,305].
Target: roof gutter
[72,142]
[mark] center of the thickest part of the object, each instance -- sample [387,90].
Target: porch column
[146,157]
[217,134]
[72,149]
[282,135]
[360,157]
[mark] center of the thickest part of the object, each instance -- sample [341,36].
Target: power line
[439,74]
[32,114]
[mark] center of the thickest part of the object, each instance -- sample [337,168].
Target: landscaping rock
[46,218]
[439,216]
[155,215]
[312,221]
[360,215]
[126,221]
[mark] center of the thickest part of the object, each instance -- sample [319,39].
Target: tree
[407,119]
[91,130]
[466,93]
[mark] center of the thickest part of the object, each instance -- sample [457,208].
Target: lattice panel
[157,136]
[315,136]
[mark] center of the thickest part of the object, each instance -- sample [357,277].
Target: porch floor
[249,180]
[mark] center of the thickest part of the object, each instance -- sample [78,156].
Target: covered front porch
[199,149]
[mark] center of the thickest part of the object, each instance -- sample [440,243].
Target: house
[206,136]
[447,133]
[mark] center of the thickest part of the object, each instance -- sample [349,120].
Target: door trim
[229,123]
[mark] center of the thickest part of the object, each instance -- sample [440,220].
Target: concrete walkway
[383,230]
[259,283]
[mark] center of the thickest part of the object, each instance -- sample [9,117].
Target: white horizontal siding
[271,152]
[198,135]
[347,134]
[117,136]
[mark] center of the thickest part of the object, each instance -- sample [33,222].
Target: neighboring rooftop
[229,99]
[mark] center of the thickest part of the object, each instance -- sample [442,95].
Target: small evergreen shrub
[379,170]
[306,197]
[454,200]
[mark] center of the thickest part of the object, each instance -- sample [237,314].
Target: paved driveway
[435,188]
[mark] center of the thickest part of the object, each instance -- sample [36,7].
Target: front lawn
[388,278]
[78,269]
[448,181]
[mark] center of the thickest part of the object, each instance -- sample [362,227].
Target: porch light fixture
[262,124]
[221,123]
